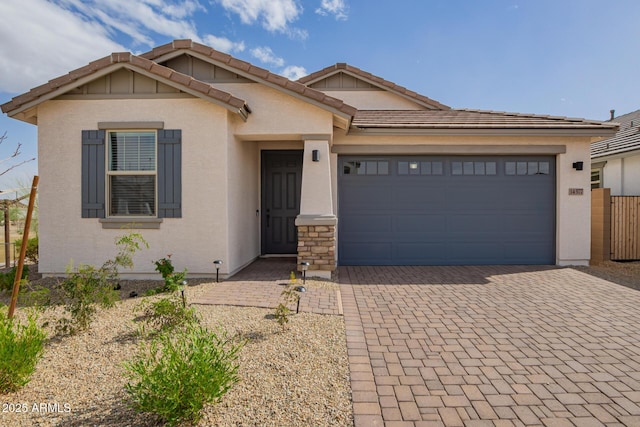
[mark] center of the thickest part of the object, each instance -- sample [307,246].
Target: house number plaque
[576,191]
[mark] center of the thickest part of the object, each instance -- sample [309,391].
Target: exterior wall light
[578,165]
[217,263]
[315,155]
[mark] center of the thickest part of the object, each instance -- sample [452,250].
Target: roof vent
[613,114]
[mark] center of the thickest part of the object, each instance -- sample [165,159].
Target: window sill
[136,223]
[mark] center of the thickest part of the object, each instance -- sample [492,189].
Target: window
[132,173]
[419,168]
[526,168]
[473,168]
[597,170]
[596,178]
[369,167]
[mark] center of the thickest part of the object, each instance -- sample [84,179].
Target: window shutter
[93,174]
[169,173]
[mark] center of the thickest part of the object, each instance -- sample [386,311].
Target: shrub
[85,288]
[6,279]
[167,313]
[21,346]
[88,286]
[172,280]
[175,375]
[32,248]
[289,296]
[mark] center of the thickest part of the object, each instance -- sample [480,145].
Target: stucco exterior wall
[194,240]
[276,115]
[573,237]
[374,100]
[622,176]
[243,163]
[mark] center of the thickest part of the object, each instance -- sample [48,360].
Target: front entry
[281,185]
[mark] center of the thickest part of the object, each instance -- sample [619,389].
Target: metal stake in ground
[23,249]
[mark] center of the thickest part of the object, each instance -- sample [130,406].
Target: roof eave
[484,131]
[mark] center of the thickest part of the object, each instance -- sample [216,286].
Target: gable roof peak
[111,63]
[248,70]
[343,67]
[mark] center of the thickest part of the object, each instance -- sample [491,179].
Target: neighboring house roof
[374,80]
[245,69]
[625,140]
[112,63]
[473,119]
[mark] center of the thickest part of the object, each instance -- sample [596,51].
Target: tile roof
[377,81]
[249,70]
[134,62]
[469,119]
[625,140]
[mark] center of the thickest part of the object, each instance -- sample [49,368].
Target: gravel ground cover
[299,377]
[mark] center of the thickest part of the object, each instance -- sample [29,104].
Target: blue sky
[576,58]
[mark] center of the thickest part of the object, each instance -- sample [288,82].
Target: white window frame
[110,173]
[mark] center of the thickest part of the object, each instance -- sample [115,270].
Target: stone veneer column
[317,221]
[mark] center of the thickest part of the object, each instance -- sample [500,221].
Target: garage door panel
[359,223]
[474,223]
[403,223]
[368,253]
[416,253]
[492,210]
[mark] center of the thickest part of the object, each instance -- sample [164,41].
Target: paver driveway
[491,346]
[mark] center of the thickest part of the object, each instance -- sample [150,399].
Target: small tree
[5,164]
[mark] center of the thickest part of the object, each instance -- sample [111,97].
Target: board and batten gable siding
[169,173]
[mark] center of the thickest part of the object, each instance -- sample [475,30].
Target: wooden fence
[625,228]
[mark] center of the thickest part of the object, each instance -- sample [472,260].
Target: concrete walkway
[491,346]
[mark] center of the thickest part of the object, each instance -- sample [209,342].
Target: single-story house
[214,158]
[615,161]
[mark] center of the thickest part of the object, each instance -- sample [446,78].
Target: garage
[446,210]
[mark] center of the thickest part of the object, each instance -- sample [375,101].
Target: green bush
[81,291]
[167,313]
[172,280]
[88,286]
[32,248]
[6,279]
[176,374]
[21,346]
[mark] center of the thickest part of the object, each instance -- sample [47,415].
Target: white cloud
[31,54]
[139,18]
[275,15]
[294,72]
[266,55]
[337,8]
[223,44]
[43,39]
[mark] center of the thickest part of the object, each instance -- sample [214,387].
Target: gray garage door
[436,210]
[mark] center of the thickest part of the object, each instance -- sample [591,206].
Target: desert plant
[83,290]
[21,346]
[172,280]
[167,313]
[175,375]
[88,286]
[32,248]
[289,296]
[7,279]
